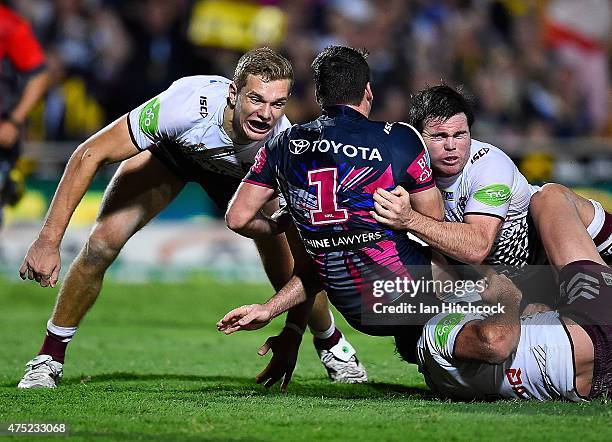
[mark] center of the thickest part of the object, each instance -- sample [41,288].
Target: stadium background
[147,362]
[539,72]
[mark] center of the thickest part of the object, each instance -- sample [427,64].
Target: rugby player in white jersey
[560,354]
[205,129]
[485,195]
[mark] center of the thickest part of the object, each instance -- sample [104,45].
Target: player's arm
[244,214]
[109,145]
[470,241]
[495,338]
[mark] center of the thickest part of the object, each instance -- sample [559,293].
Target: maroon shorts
[586,298]
[601,335]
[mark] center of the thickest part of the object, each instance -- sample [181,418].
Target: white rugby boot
[42,372]
[342,364]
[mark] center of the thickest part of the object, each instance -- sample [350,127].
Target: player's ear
[232,95]
[369,96]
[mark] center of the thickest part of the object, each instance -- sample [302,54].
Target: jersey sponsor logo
[494,195]
[204,107]
[448,196]
[388,127]
[354,240]
[419,169]
[149,117]
[481,153]
[445,326]
[300,146]
[607,278]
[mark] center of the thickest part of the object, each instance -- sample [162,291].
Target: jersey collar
[339,109]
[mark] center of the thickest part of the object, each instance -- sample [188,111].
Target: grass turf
[148,364]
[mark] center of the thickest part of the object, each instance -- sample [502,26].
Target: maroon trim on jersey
[257,183]
[485,214]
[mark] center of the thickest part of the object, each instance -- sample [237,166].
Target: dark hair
[438,103]
[341,74]
[265,63]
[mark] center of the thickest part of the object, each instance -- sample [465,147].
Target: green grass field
[148,364]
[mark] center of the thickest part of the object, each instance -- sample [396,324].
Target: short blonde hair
[265,63]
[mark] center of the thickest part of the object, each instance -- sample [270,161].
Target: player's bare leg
[336,353]
[591,214]
[585,281]
[561,217]
[140,189]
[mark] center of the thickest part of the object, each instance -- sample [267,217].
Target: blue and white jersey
[187,119]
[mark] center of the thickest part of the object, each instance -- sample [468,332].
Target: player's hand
[500,289]
[9,133]
[282,218]
[247,317]
[42,263]
[285,349]
[393,208]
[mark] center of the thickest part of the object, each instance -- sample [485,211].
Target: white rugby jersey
[188,116]
[491,184]
[542,367]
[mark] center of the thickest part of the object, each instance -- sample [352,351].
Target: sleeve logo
[149,116]
[419,169]
[494,195]
[445,326]
[260,160]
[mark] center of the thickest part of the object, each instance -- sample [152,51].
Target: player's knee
[549,197]
[554,192]
[100,251]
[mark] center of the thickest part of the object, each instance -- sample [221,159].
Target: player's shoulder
[482,154]
[399,129]
[210,87]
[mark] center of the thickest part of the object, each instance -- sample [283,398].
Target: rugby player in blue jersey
[328,170]
[205,129]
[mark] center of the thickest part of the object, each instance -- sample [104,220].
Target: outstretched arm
[109,145]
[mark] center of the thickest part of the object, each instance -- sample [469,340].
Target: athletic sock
[56,341]
[329,342]
[600,230]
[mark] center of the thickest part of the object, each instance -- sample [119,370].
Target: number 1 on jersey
[327,212]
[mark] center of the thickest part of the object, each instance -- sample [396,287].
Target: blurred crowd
[536,69]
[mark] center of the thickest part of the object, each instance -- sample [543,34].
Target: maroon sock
[603,235]
[54,347]
[326,344]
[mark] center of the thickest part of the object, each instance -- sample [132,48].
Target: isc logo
[203,107]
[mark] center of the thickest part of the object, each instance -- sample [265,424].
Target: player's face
[259,105]
[448,143]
